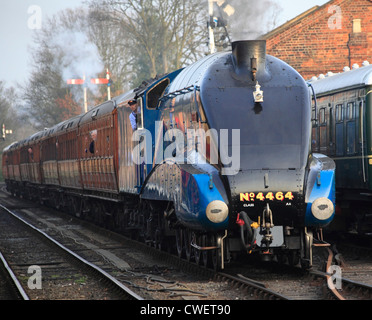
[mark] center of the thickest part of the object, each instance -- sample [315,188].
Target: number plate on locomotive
[269,196]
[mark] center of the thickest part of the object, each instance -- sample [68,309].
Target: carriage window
[351,128]
[93,136]
[350,111]
[30,154]
[140,114]
[322,118]
[322,130]
[339,131]
[339,113]
[331,128]
[361,121]
[313,117]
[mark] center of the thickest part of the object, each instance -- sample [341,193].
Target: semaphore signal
[5,132]
[92,81]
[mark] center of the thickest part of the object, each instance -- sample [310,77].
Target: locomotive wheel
[197,253]
[57,200]
[162,243]
[293,258]
[215,253]
[96,213]
[187,240]
[205,253]
[158,241]
[76,206]
[306,261]
[179,242]
[281,257]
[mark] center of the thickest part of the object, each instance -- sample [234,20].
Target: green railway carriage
[342,129]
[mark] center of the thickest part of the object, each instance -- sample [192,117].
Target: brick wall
[322,39]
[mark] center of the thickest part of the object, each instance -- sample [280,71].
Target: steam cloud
[80,56]
[252,18]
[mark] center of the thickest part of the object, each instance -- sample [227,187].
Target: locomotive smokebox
[249,58]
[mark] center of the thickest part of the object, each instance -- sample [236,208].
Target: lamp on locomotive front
[258,94]
[322,209]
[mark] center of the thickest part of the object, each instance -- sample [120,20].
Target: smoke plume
[80,56]
[251,18]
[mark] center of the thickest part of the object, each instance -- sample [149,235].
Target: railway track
[277,281]
[353,278]
[319,285]
[247,288]
[157,281]
[50,263]
[153,280]
[252,290]
[151,274]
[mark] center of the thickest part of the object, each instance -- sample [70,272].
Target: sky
[20,19]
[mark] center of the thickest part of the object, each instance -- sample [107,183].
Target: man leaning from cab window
[133,115]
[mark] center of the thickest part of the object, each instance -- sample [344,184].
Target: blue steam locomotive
[211,161]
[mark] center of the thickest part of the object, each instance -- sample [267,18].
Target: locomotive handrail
[315,102]
[176,93]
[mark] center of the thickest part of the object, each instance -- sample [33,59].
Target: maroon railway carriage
[77,163]
[85,164]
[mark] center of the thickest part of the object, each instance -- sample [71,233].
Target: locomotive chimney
[249,58]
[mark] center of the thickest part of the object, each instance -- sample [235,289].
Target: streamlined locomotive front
[273,190]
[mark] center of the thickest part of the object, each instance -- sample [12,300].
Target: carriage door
[322,124]
[354,167]
[351,129]
[362,142]
[140,150]
[339,130]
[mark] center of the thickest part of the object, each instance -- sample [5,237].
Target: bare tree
[160,35]
[11,117]
[62,50]
[134,39]
[113,46]
[7,100]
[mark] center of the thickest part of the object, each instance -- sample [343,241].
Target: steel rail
[258,287]
[20,291]
[333,289]
[345,281]
[86,263]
